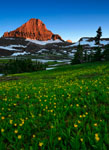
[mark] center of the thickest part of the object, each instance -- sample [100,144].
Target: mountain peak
[33,29]
[35,20]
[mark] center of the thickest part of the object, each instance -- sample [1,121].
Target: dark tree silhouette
[98,54]
[98,36]
[106,53]
[78,57]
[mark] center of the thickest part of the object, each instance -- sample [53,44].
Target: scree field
[62,109]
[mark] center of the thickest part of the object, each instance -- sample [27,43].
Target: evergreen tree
[85,56]
[106,53]
[97,55]
[98,36]
[78,57]
[91,58]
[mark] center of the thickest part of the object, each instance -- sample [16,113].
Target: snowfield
[17,54]
[10,38]
[18,46]
[43,42]
[86,42]
[9,48]
[12,47]
[43,50]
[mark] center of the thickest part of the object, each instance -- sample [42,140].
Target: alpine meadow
[40,111]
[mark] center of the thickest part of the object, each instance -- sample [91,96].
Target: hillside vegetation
[61,109]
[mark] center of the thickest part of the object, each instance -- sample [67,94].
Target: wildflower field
[62,109]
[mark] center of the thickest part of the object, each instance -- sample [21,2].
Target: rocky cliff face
[33,29]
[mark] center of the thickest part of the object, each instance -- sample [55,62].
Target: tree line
[21,65]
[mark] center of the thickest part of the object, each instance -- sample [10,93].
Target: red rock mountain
[33,29]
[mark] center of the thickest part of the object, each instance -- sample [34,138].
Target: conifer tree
[97,55]
[78,57]
[98,36]
[106,53]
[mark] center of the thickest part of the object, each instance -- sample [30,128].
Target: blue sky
[71,19]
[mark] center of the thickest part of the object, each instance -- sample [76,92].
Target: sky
[71,19]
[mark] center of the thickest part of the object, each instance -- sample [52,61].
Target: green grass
[2,61]
[61,109]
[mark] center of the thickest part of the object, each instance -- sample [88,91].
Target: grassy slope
[63,109]
[2,61]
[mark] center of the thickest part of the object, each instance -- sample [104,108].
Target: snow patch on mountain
[17,54]
[12,47]
[43,50]
[18,46]
[9,48]
[85,42]
[10,38]
[44,42]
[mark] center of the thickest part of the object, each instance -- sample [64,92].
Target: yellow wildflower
[40,144]
[20,124]
[2,117]
[16,131]
[79,121]
[97,138]
[77,105]
[95,124]
[2,130]
[52,127]
[15,124]
[10,121]
[75,125]
[96,134]
[81,139]
[59,138]
[34,136]
[19,136]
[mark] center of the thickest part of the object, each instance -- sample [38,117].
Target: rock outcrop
[69,41]
[33,29]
